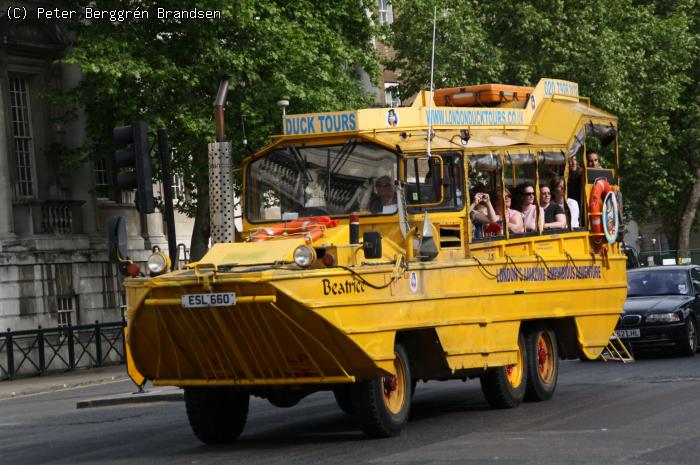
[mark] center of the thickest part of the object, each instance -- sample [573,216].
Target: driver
[384,201]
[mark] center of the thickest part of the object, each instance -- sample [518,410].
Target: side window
[551,168]
[430,179]
[695,277]
[485,197]
[521,179]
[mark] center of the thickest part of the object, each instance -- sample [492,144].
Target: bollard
[40,344]
[71,348]
[98,343]
[10,355]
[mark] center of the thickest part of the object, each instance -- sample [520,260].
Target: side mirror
[116,243]
[116,230]
[372,244]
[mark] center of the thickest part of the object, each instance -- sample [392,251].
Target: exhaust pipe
[219,108]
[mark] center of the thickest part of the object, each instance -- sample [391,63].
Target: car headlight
[158,263]
[304,255]
[663,318]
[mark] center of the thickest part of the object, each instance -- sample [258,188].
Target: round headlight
[158,263]
[304,255]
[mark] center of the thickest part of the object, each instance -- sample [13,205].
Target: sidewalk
[56,381]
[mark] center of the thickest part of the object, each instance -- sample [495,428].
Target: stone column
[6,219]
[83,185]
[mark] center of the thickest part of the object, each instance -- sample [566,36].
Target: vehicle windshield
[298,181]
[657,282]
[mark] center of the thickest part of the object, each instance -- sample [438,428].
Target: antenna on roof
[432,70]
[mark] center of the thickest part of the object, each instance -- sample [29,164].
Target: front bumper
[656,336]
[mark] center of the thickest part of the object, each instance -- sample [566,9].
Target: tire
[690,344]
[216,415]
[382,404]
[542,364]
[343,397]
[504,387]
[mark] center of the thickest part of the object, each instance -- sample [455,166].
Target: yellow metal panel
[594,333]
[250,253]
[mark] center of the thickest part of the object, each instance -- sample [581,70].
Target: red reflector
[133,270]
[354,218]
[328,259]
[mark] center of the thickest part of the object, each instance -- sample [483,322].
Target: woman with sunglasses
[513,217]
[528,207]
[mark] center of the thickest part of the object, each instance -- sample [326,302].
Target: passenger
[556,185]
[528,207]
[513,217]
[384,201]
[592,160]
[575,177]
[554,216]
[483,215]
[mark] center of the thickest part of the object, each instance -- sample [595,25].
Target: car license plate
[625,333]
[218,299]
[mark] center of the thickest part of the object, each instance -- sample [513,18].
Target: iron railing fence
[657,257]
[38,351]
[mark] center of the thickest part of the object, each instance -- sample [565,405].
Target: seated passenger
[513,217]
[575,178]
[384,202]
[556,186]
[554,216]
[527,206]
[483,215]
[593,160]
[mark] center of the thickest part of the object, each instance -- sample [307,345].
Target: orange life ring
[601,188]
[312,226]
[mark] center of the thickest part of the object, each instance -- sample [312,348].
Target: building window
[178,187]
[65,294]
[102,184]
[129,197]
[22,134]
[64,309]
[391,94]
[386,12]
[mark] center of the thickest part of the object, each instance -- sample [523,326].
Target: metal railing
[657,257]
[37,351]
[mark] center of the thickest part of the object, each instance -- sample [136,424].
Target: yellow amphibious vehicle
[365,264]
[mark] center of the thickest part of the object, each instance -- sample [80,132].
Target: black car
[661,309]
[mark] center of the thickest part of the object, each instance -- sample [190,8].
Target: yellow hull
[327,326]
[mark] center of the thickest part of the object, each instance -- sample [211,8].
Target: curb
[134,398]
[57,387]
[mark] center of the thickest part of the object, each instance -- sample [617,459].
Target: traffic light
[138,158]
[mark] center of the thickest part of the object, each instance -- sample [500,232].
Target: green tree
[167,71]
[635,58]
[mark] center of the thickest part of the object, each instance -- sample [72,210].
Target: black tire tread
[685,347]
[343,397]
[369,407]
[536,391]
[497,389]
[216,415]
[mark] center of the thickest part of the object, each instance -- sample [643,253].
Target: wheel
[343,397]
[216,415]
[542,364]
[382,404]
[690,344]
[504,387]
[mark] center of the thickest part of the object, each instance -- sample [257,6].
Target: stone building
[53,262]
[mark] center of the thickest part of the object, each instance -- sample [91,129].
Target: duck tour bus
[461,237]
